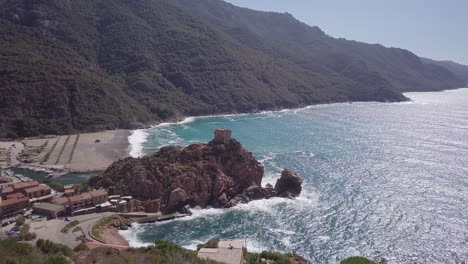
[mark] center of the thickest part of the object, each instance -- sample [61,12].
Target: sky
[436,29]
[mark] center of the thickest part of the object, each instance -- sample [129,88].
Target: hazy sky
[436,29]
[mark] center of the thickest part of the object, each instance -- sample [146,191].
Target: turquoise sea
[380,179]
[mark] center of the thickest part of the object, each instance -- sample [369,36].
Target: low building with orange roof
[99,196]
[20,187]
[13,206]
[14,195]
[37,191]
[64,201]
[7,191]
[69,192]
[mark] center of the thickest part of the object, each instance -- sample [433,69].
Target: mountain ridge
[69,66]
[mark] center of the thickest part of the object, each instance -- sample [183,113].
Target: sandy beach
[87,152]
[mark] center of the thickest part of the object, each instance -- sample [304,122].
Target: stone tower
[222,136]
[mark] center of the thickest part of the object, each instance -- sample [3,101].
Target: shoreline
[64,154]
[89,157]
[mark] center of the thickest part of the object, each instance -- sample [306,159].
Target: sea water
[380,179]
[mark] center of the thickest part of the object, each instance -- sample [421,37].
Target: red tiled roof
[61,201]
[37,188]
[8,190]
[15,195]
[24,185]
[98,193]
[13,201]
[86,196]
[75,198]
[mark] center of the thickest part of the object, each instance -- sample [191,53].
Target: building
[64,201]
[76,202]
[15,195]
[83,201]
[222,136]
[228,252]
[69,192]
[50,210]
[99,196]
[37,191]
[20,187]
[13,206]
[7,191]
[87,199]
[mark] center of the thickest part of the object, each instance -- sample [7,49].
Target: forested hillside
[88,65]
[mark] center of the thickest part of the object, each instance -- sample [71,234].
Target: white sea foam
[131,235]
[265,205]
[136,140]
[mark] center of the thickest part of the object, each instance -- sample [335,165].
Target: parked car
[67,219]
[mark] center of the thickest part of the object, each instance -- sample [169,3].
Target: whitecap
[136,140]
[131,235]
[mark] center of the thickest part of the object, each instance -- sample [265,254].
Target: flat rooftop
[228,252]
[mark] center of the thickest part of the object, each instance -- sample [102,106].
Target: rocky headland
[219,174]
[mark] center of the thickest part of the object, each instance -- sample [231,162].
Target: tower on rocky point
[222,136]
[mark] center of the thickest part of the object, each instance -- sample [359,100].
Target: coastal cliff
[220,174]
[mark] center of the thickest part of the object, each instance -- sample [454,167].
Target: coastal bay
[379,178]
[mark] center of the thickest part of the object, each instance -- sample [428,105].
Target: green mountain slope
[460,70]
[88,65]
[285,37]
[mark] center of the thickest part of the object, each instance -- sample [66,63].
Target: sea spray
[136,140]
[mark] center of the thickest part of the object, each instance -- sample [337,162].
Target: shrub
[357,260]
[20,220]
[12,246]
[25,234]
[49,247]
[56,260]
[70,225]
[15,260]
[81,247]
[57,186]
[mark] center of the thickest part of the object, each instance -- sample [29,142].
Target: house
[20,187]
[76,202]
[13,206]
[50,210]
[69,192]
[228,252]
[88,199]
[7,191]
[15,195]
[99,196]
[61,201]
[37,191]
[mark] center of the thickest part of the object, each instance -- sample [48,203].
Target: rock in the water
[289,184]
[220,174]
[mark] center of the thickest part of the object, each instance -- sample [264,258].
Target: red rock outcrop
[220,173]
[289,184]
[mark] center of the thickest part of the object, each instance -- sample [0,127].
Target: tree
[57,186]
[20,220]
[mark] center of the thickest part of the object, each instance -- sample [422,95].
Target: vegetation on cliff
[283,37]
[92,65]
[47,252]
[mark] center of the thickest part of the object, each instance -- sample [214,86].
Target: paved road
[51,229]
